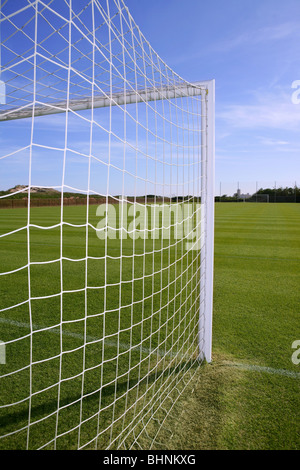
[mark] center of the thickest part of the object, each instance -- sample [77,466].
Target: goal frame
[123,295]
[207,222]
[207,91]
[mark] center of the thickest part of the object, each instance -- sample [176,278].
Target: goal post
[207,223]
[107,228]
[207,88]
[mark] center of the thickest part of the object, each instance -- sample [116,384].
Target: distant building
[239,195]
[245,196]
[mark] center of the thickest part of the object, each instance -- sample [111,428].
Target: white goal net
[106,228]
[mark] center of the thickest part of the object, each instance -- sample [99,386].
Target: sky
[251,49]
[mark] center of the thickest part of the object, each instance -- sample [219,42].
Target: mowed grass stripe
[259,296]
[248,397]
[237,402]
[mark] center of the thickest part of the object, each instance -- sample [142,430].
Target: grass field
[123,311]
[248,398]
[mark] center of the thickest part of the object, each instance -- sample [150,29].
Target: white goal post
[105,100]
[108,156]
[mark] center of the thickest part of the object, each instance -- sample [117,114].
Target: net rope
[100,178]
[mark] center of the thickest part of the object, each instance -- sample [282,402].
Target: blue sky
[251,48]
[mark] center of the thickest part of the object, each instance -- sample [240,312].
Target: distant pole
[275,193]
[256,192]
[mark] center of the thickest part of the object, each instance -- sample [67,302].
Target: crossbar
[105,100]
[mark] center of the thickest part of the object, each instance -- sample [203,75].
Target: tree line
[281,194]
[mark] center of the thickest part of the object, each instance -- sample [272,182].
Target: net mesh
[101,269]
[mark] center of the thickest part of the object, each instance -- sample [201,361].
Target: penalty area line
[263,369]
[55,329]
[126,347]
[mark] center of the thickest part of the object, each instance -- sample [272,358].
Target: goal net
[106,233]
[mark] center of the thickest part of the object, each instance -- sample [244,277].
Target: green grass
[133,340]
[257,260]
[242,400]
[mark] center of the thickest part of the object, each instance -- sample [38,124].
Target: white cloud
[260,35]
[273,142]
[267,111]
[256,36]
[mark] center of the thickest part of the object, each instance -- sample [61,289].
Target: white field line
[89,339]
[267,370]
[161,353]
